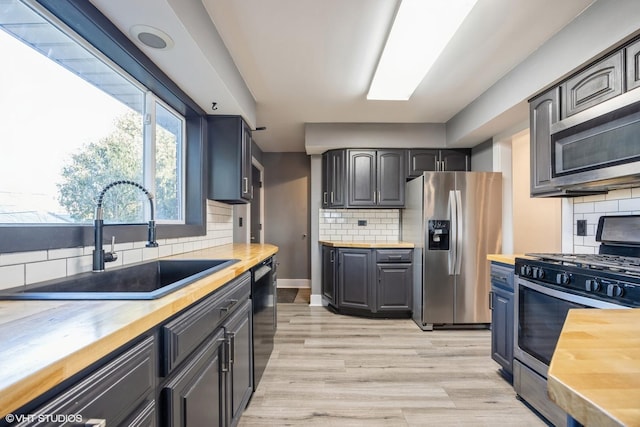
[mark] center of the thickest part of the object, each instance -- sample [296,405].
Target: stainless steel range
[548,285]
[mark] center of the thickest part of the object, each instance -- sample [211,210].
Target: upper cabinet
[229,159]
[543,112]
[334,167]
[430,160]
[375,178]
[595,84]
[633,65]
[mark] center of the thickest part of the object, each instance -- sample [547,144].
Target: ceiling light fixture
[420,31]
[151,37]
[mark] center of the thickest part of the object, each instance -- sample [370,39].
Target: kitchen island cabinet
[368,279]
[51,345]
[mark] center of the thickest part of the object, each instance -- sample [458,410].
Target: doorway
[256,215]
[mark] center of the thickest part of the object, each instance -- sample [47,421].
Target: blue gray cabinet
[394,281]
[544,110]
[334,167]
[122,392]
[432,159]
[375,178]
[329,269]
[208,359]
[632,53]
[502,320]
[368,282]
[229,159]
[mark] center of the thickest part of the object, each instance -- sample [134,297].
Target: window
[46,129]
[74,123]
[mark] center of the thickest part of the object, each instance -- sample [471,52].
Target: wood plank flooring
[334,370]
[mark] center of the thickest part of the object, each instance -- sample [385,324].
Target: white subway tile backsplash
[12,275]
[22,257]
[65,253]
[606,206]
[617,202]
[629,204]
[46,270]
[342,224]
[80,264]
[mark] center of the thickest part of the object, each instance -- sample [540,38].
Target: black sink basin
[145,281]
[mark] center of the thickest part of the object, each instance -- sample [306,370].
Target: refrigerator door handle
[453,233]
[459,232]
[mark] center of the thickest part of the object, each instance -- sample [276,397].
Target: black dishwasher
[264,298]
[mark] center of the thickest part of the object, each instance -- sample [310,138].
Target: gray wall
[482,157]
[287,184]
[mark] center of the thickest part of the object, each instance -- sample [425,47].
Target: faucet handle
[111,255]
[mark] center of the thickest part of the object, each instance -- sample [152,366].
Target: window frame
[90,24]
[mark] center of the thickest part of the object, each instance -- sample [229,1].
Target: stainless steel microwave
[598,147]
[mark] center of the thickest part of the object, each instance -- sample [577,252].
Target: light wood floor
[333,370]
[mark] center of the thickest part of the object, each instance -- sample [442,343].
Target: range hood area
[585,131]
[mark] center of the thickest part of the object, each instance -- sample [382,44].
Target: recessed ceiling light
[420,31]
[151,37]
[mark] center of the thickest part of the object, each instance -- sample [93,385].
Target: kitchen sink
[144,281]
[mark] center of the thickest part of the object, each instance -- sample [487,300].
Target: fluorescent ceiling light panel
[421,30]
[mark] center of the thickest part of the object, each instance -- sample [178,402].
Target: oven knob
[525,271]
[614,291]
[538,273]
[592,285]
[563,279]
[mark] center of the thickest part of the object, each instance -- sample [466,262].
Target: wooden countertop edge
[28,387]
[365,245]
[589,345]
[505,258]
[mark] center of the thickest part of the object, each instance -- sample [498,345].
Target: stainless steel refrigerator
[455,220]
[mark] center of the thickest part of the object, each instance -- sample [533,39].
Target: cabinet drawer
[502,275]
[188,330]
[394,255]
[117,392]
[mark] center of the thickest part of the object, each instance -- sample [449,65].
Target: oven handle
[566,296]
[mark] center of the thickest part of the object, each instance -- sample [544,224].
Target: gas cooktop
[613,263]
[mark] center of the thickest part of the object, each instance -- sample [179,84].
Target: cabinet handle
[227,307]
[332,197]
[379,198]
[245,182]
[490,300]
[225,352]
[232,347]
[332,258]
[374,198]
[324,198]
[96,422]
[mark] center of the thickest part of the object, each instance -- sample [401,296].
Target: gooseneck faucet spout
[99,255]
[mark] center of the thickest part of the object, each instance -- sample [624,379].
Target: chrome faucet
[99,255]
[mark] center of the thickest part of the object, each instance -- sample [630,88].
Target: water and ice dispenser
[439,234]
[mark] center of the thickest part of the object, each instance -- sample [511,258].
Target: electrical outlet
[581,227]
[362,222]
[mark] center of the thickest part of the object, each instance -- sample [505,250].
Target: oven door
[540,312]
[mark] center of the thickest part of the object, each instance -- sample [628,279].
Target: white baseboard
[316,300]
[294,283]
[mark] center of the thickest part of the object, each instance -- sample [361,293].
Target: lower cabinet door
[502,328]
[240,379]
[394,287]
[194,396]
[354,278]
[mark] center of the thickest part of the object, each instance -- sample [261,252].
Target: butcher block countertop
[505,258]
[595,370]
[374,245]
[47,342]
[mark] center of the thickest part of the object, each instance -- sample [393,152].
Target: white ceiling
[311,61]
